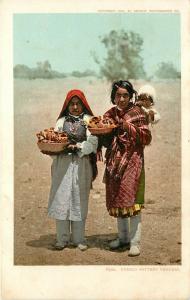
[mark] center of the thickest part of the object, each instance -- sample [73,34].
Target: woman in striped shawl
[124,174]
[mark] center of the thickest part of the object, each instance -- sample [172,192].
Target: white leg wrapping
[63,232]
[78,232]
[135,235]
[123,229]
[123,234]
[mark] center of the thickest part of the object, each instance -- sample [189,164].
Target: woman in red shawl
[124,174]
[72,173]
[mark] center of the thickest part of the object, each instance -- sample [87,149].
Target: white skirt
[70,188]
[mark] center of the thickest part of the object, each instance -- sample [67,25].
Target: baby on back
[146,100]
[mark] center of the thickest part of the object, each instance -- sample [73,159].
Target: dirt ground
[37,104]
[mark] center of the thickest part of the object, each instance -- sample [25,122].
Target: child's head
[146,95]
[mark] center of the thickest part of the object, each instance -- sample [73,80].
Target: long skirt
[70,188]
[116,202]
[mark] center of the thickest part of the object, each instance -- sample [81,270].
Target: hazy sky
[67,40]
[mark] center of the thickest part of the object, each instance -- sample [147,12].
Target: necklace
[74,126]
[74,123]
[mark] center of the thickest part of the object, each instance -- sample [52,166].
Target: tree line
[44,70]
[123,60]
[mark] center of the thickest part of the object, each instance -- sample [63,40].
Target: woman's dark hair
[125,84]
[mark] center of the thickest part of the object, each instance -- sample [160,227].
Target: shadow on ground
[100,241]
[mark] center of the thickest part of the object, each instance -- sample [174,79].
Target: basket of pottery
[52,141]
[101,125]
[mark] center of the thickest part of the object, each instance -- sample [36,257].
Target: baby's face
[146,101]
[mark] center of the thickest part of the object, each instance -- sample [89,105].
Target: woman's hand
[125,125]
[73,147]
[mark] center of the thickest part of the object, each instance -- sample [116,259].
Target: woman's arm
[88,146]
[140,133]
[137,128]
[59,125]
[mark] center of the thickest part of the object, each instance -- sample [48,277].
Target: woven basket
[100,130]
[52,147]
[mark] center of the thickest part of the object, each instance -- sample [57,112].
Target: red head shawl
[69,96]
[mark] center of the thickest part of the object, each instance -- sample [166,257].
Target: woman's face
[122,98]
[75,106]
